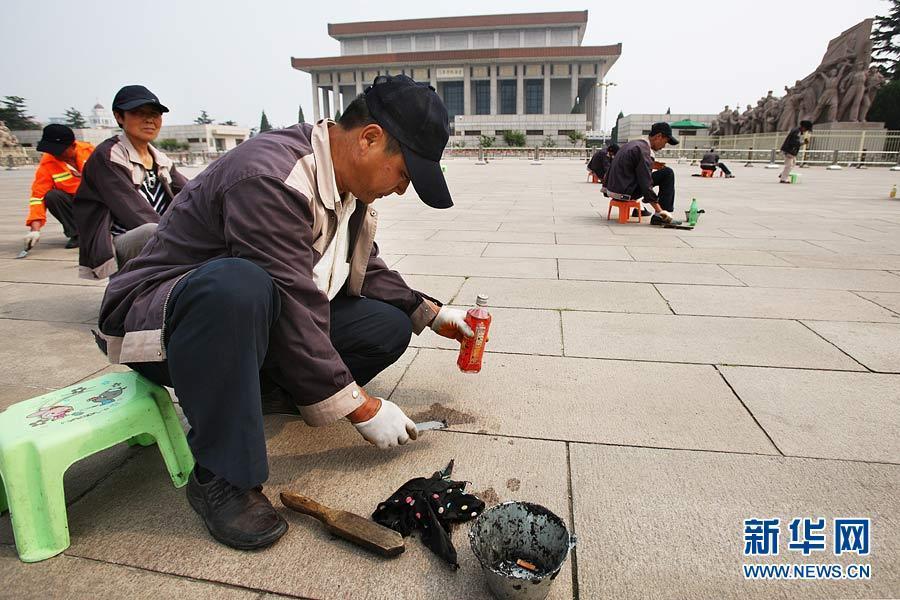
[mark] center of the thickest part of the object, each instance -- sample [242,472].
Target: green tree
[549,142]
[229,122]
[885,42]
[13,112]
[486,141]
[337,115]
[513,138]
[264,123]
[75,119]
[614,137]
[203,119]
[300,117]
[172,145]
[576,137]
[886,106]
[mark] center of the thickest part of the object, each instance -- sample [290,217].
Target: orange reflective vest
[55,174]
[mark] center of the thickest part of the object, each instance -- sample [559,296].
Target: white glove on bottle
[451,323]
[389,427]
[31,239]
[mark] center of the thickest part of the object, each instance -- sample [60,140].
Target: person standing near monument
[56,181]
[791,148]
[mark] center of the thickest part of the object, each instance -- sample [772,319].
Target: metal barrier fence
[847,158]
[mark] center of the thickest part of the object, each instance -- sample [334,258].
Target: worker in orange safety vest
[55,182]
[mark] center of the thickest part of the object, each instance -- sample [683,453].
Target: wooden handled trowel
[352,527]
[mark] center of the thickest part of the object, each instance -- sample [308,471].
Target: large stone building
[523,72]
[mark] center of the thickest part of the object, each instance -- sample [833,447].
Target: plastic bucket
[511,534]
[795,178]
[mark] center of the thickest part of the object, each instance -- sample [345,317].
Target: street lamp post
[602,119]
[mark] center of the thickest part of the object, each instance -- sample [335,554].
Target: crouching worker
[635,172]
[711,162]
[266,267]
[600,161]
[127,185]
[56,181]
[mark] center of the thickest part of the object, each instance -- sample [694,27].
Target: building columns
[547,68]
[494,102]
[599,91]
[359,83]
[520,89]
[315,94]
[467,90]
[336,90]
[326,104]
[574,91]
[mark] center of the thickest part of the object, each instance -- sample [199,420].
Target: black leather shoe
[242,519]
[72,243]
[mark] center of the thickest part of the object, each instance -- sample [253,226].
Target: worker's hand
[32,238]
[389,427]
[451,323]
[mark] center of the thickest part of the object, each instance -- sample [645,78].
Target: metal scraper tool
[431,425]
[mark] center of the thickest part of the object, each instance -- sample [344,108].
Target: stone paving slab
[715,256]
[878,262]
[47,354]
[593,239]
[432,248]
[135,517]
[853,416]
[404,234]
[43,302]
[667,524]
[564,295]
[558,251]
[888,300]
[876,345]
[70,577]
[816,279]
[597,270]
[531,268]
[773,303]
[513,330]
[711,340]
[44,271]
[764,245]
[495,236]
[575,399]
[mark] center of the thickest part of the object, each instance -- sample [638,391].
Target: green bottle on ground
[692,213]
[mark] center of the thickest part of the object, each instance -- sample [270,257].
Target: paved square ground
[654,387]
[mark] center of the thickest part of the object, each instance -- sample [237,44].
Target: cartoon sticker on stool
[109,395]
[45,414]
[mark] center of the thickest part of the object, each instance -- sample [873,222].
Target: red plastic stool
[625,207]
[706,172]
[592,177]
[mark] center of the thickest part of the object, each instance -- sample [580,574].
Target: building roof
[337,30]
[435,56]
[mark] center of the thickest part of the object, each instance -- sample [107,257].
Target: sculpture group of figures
[7,139]
[841,89]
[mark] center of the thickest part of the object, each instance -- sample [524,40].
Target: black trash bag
[430,505]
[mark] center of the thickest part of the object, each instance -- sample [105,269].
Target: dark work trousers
[664,179]
[60,205]
[217,335]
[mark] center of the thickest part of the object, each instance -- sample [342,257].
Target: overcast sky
[232,57]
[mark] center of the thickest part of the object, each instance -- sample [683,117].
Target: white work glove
[389,427]
[451,323]
[31,239]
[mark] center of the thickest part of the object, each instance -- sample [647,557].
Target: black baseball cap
[665,129]
[132,96]
[414,114]
[55,139]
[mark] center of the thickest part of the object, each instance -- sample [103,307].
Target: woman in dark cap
[127,185]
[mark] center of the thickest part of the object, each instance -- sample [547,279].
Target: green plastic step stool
[42,437]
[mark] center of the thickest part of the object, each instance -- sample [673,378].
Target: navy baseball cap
[665,129]
[132,96]
[55,139]
[414,114]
